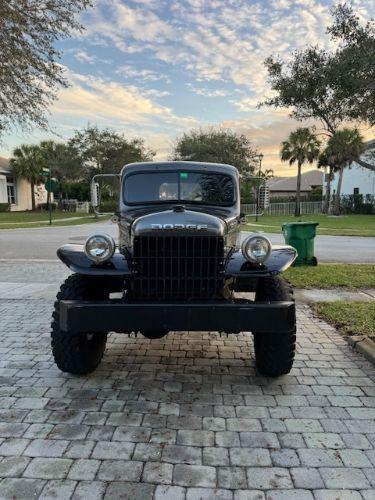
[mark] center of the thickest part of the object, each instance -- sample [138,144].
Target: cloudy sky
[155,68]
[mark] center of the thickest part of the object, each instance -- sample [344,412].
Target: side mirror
[95,194]
[242,218]
[111,187]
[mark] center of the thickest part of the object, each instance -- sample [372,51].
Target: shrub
[358,204]
[4,207]
[44,206]
[108,206]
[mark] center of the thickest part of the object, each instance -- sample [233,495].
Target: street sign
[51,185]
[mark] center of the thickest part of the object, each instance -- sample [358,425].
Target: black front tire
[78,353]
[274,352]
[154,334]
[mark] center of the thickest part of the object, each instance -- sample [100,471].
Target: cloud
[83,56]
[143,75]
[213,49]
[267,136]
[105,101]
[213,40]
[207,92]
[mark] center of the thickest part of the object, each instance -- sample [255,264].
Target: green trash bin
[300,235]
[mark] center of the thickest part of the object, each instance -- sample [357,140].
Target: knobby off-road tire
[78,353]
[274,352]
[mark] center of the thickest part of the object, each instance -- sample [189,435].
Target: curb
[363,345]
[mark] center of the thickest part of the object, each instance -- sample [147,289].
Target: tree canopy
[61,158]
[216,146]
[29,61]
[344,147]
[106,151]
[335,86]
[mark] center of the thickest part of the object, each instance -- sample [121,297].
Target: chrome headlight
[256,248]
[99,247]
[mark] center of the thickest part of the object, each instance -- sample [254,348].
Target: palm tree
[301,146]
[27,163]
[343,147]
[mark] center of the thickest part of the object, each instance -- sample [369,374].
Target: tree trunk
[338,191]
[297,212]
[33,204]
[328,191]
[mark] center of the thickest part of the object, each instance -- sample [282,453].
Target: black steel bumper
[116,316]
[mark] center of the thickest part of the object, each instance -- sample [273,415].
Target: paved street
[41,243]
[185,416]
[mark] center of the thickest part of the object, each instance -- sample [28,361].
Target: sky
[157,68]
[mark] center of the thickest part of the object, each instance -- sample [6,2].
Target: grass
[344,225]
[332,276]
[16,220]
[12,217]
[353,318]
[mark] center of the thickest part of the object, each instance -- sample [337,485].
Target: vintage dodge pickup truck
[178,266]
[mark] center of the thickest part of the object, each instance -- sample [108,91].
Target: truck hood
[178,221]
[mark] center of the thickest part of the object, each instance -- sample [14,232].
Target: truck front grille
[177,267]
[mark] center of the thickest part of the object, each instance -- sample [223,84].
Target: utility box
[301,235]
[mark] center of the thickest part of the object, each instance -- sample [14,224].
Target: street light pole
[260,158]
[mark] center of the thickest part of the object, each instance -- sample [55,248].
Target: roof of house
[308,179]
[4,165]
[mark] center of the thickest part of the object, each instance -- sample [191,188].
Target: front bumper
[119,316]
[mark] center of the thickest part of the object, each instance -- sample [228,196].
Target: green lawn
[36,216]
[353,318]
[332,276]
[14,220]
[345,225]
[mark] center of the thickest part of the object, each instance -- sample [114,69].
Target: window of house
[11,191]
[356,191]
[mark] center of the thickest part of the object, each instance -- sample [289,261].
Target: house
[17,192]
[357,179]
[285,187]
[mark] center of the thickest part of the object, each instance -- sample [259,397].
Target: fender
[282,257]
[74,257]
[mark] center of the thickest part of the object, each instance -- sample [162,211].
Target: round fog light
[99,247]
[256,248]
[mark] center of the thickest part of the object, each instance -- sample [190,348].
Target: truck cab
[180,264]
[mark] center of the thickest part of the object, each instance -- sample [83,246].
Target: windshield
[191,187]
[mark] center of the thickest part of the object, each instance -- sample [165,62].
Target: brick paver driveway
[183,417]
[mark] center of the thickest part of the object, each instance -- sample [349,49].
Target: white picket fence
[307,208]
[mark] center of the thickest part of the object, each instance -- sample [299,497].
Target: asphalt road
[42,242]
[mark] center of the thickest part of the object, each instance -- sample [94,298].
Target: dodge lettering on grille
[179,226]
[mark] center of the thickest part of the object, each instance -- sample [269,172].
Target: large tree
[62,161]
[334,87]
[30,72]
[302,146]
[106,151]
[216,145]
[344,147]
[27,163]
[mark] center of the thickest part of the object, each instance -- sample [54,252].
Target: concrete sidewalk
[308,296]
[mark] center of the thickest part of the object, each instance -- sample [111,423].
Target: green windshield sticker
[183,175]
